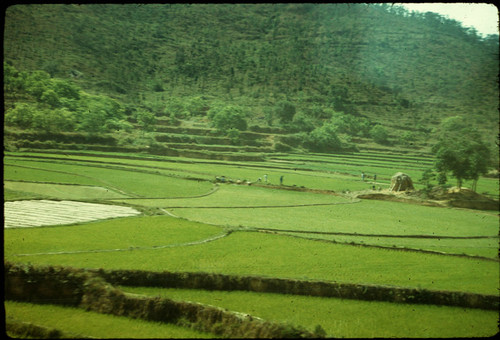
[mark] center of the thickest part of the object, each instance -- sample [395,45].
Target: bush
[175,108]
[323,139]
[349,124]
[229,117]
[301,122]
[196,106]
[285,111]
[280,147]
[379,134]
[21,115]
[234,136]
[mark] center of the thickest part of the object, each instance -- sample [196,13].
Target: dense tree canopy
[461,151]
[372,70]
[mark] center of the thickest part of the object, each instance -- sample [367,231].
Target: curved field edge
[48,321]
[343,317]
[298,287]
[144,183]
[364,217]
[485,248]
[79,288]
[121,234]
[267,255]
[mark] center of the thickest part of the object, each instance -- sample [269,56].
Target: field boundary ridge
[368,292]
[88,290]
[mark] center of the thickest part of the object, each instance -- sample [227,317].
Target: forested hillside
[299,67]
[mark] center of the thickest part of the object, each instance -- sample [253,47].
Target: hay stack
[401,182]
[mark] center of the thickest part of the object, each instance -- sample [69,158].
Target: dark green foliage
[227,118]
[273,60]
[351,125]
[234,136]
[21,115]
[301,122]
[379,134]
[323,139]
[299,287]
[59,105]
[461,151]
[49,284]
[285,111]
[428,176]
[145,119]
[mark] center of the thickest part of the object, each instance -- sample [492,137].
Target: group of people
[363,176]
[265,179]
[223,179]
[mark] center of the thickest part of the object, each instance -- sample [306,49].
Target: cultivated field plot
[22,214]
[61,191]
[177,218]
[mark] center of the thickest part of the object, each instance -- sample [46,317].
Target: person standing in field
[281,180]
[265,178]
[375,177]
[362,176]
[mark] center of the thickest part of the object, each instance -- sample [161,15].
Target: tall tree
[461,151]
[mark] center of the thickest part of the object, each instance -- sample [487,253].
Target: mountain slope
[403,70]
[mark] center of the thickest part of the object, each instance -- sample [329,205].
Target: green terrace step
[186,130]
[210,132]
[209,140]
[236,155]
[61,137]
[220,148]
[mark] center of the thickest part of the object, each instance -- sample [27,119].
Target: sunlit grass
[138,241]
[367,217]
[83,323]
[345,318]
[251,253]
[234,195]
[487,247]
[122,233]
[129,181]
[62,191]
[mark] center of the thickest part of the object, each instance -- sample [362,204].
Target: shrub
[229,117]
[196,106]
[175,108]
[301,122]
[21,115]
[234,136]
[323,139]
[379,134]
[285,111]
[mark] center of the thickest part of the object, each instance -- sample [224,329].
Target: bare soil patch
[438,197]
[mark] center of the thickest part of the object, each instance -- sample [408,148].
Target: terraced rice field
[167,213]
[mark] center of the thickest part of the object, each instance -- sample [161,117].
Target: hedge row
[63,137]
[182,138]
[298,287]
[27,330]
[218,148]
[220,156]
[77,287]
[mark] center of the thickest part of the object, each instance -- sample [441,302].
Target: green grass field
[76,322]
[191,224]
[346,318]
